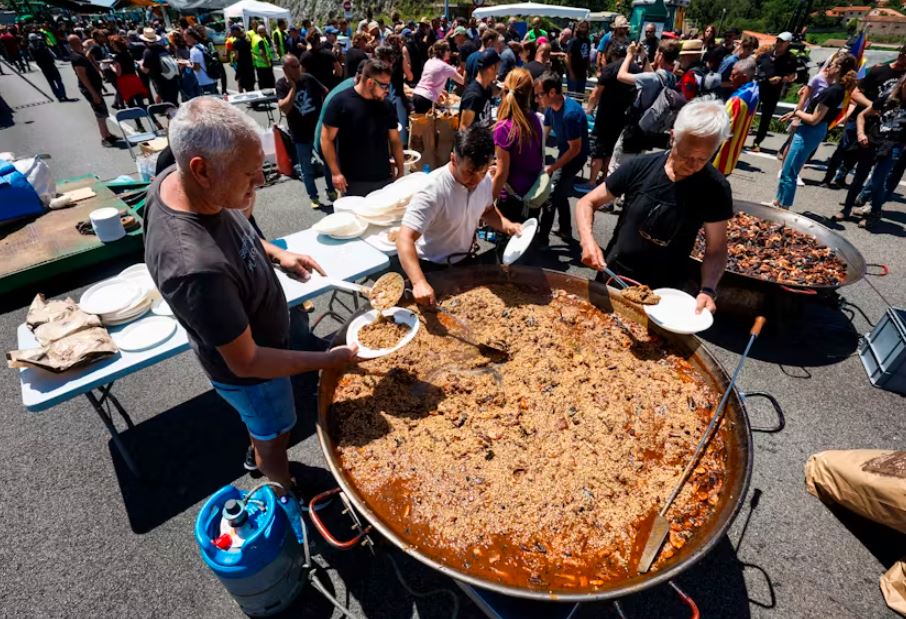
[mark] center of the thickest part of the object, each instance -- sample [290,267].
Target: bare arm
[714,262]
[624,76]
[859,97]
[396,149]
[575,147]
[329,150]
[496,220]
[804,93]
[407,65]
[592,255]
[405,248]
[860,124]
[466,118]
[594,98]
[815,117]
[286,104]
[248,360]
[459,78]
[502,172]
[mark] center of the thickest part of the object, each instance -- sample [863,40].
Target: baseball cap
[488,58]
[330,30]
[785,36]
[459,31]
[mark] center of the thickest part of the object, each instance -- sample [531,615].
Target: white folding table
[349,260]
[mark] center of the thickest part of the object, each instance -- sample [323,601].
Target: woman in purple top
[517,138]
[435,74]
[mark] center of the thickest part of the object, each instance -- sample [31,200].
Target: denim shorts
[267,409]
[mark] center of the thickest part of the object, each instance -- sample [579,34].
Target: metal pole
[447,9]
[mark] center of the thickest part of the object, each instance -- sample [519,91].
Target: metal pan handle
[883,269]
[806,291]
[688,600]
[322,528]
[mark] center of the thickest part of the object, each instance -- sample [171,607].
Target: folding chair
[134,136]
[161,111]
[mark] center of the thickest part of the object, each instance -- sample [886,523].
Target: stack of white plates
[342,225]
[386,207]
[118,300]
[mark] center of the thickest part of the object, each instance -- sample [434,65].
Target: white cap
[785,36]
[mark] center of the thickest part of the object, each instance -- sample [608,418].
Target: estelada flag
[741,109]
[857,49]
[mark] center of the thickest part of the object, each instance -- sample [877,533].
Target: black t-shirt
[94,78]
[578,49]
[160,70]
[303,116]
[127,64]
[669,214]
[363,143]
[319,63]
[42,54]
[832,97]
[477,98]
[880,79]
[617,96]
[353,57]
[536,68]
[888,129]
[416,60]
[217,279]
[767,66]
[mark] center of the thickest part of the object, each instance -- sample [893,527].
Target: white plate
[161,308]
[348,204]
[141,267]
[381,241]
[518,244]
[135,311]
[676,312]
[343,225]
[145,334]
[399,314]
[110,296]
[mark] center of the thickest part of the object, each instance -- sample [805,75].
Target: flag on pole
[857,49]
[741,108]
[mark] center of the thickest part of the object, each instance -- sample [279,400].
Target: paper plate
[381,241]
[348,204]
[161,308]
[340,225]
[145,334]
[141,267]
[518,244]
[676,312]
[399,314]
[128,315]
[110,296]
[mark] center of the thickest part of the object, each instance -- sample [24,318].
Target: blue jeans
[304,153]
[893,178]
[267,409]
[806,140]
[877,187]
[402,116]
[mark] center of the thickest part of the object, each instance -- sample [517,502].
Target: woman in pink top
[434,78]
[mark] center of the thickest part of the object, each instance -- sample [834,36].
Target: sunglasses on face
[383,85]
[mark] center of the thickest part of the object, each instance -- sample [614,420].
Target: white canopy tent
[246,9]
[530,9]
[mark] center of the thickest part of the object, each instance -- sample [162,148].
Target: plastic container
[265,573]
[883,352]
[106,224]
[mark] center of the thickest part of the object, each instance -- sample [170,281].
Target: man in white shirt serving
[440,222]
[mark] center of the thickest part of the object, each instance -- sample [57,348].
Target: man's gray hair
[746,66]
[704,117]
[212,129]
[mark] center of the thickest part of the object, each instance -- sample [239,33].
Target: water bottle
[426,168]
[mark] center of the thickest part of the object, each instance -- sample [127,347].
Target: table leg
[98,405]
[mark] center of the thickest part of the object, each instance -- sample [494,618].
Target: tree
[851,25]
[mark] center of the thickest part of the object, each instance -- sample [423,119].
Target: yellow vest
[262,60]
[279,42]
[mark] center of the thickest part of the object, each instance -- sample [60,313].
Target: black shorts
[100,109]
[604,138]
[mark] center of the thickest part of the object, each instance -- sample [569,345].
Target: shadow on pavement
[884,543]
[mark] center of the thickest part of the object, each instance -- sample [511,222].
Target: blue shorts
[267,409]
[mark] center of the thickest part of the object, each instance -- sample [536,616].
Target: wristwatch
[708,291]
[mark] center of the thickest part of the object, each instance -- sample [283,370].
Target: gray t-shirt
[649,86]
[214,273]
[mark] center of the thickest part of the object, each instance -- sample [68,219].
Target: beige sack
[423,137]
[893,586]
[72,351]
[42,311]
[870,482]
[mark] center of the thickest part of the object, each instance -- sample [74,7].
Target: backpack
[661,114]
[169,69]
[212,65]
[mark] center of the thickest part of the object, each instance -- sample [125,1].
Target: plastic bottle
[235,526]
[426,168]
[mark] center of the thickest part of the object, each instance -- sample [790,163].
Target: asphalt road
[81,538]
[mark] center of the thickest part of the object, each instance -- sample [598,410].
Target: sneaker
[862,211]
[249,464]
[332,196]
[316,203]
[800,182]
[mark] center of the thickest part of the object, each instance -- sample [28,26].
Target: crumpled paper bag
[893,586]
[74,350]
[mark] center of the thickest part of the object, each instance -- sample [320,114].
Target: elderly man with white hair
[668,197]
[218,275]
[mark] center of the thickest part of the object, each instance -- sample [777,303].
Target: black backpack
[212,64]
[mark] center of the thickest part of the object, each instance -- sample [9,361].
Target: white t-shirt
[446,214]
[197,57]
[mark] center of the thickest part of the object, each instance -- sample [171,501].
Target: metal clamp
[781,418]
[326,534]
[884,270]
